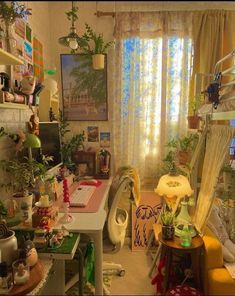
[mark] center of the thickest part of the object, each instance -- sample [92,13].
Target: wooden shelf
[7,58]
[13,106]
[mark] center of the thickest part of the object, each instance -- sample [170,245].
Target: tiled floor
[136,280]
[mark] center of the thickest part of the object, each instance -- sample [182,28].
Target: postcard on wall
[28,52]
[20,27]
[92,134]
[19,45]
[38,59]
[105,139]
[84,90]
[28,33]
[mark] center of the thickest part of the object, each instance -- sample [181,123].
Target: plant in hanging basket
[93,44]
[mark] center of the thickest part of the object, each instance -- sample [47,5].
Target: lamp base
[179,229]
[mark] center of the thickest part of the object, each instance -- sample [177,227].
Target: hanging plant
[8,15]
[93,44]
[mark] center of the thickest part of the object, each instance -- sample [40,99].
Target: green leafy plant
[72,14]
[98,46]
[69,146]
[195,104]
[186,143]
[10,12]
[21,173]
[167,216]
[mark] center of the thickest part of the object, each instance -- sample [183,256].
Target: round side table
[171,247]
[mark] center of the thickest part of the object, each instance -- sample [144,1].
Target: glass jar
[20,270]
[185,237]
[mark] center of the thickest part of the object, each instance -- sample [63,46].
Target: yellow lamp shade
[173,186]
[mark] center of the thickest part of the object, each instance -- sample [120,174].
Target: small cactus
[167,216]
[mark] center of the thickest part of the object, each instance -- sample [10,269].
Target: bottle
[185,236]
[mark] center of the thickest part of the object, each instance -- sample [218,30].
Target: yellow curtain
[213,34]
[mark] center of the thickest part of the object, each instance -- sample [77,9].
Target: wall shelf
[13,106]
[7,58]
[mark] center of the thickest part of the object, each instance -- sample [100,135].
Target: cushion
[183,290]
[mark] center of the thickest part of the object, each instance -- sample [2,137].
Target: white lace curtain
[150,87]
[217,147]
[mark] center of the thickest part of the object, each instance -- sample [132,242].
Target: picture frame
[105,139]
[84,90]
[85,163]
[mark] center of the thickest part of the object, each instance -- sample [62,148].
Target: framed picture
[84,163]
[92,134]
[84,90]
[104,139]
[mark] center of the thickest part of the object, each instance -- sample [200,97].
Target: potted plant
[8,14]
[170,159]
[193,118]
[20,179]
[185,148]
[68,146]
[167,220]
[97,50]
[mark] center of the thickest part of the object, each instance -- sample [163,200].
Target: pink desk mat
[94,202]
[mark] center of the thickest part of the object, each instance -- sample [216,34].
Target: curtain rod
[105,13]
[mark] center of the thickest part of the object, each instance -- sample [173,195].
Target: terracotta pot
[98,61]
[193,122]
[168,232]
[183,157]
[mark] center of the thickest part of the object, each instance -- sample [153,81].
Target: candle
[44,200]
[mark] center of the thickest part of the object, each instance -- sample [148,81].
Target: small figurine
[28,84]
[53,242]
[33,123]
[31,253]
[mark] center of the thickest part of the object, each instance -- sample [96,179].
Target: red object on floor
[183,290]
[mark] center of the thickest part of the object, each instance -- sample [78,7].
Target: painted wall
[12,120]
[49,22]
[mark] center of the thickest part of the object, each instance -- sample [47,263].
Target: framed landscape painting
[84,90]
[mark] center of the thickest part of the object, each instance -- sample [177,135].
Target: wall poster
[143,218]
[38,59]
[84,90]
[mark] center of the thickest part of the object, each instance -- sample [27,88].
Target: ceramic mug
[24,206]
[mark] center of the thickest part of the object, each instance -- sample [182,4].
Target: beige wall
[49,22]
[12,120]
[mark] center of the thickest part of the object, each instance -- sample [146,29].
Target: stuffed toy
[215,223]
[158,279]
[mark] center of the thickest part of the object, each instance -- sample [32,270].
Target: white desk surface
[92,223]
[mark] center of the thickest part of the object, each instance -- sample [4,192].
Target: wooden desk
[171,247]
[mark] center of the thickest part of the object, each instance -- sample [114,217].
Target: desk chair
[116,223]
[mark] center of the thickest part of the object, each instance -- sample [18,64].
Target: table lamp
[173,187]
[31,141]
